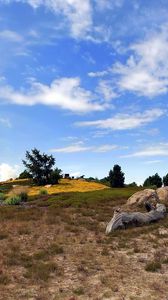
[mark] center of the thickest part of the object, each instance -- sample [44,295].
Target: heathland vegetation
[53,241]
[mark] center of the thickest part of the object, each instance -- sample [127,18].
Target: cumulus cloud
[125,121]
[145,72]
[65,93]
[7,171]
[77,12]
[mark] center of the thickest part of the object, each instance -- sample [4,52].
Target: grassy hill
[55,247]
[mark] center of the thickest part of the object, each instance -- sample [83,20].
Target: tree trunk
[124,219]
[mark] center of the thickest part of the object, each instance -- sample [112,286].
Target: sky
[85,81]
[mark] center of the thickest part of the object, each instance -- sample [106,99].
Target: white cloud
[155,150]
[105,148]
[77,147]
[146,71]
[106,90]
[10,35]
[98,74]
[6,122]
[151,162]
[65,93]
[75,174]
[108,4]
[7,171]
[77,12]
[80,147]
[125,121]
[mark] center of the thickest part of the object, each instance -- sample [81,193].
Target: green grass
[78,199]
[43,192]
[13,200]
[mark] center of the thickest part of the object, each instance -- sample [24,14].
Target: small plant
[23,196]
[42,271]
[2,196]
[4,280]
[13,200]
[153,266]
[3,235]
[43,192]
[79,291]
[165,261]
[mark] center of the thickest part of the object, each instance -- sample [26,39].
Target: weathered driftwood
[123,219]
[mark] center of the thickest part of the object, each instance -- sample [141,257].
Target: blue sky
[86,81]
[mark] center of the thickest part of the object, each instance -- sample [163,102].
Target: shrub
[43,192]
[23,196]
[13,200]
[79,291]
[2,196]
[153,266]
[4,280]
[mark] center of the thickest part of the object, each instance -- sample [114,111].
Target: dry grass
[56,248]
[67,185]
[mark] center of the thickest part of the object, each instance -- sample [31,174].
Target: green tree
[132,184]
[165,180]
[116,177]
[56,174]
[153,180]
[24,175]
[39,166]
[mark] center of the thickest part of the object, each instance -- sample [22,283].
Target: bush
[153,266]
[13,200]
[2,196]
[43,192]
[23,196]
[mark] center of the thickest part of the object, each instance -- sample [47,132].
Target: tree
[153,180]
[55,176]
[40,167]
[165,180]
[132,184]
[25,174]
[116,177]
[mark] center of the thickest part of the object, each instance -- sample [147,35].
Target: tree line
[41,168]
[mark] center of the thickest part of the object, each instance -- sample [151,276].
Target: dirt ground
[55,251]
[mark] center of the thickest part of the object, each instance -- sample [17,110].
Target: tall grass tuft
[13,200]
[43,192]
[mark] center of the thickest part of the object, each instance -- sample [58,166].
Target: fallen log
[121,220]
